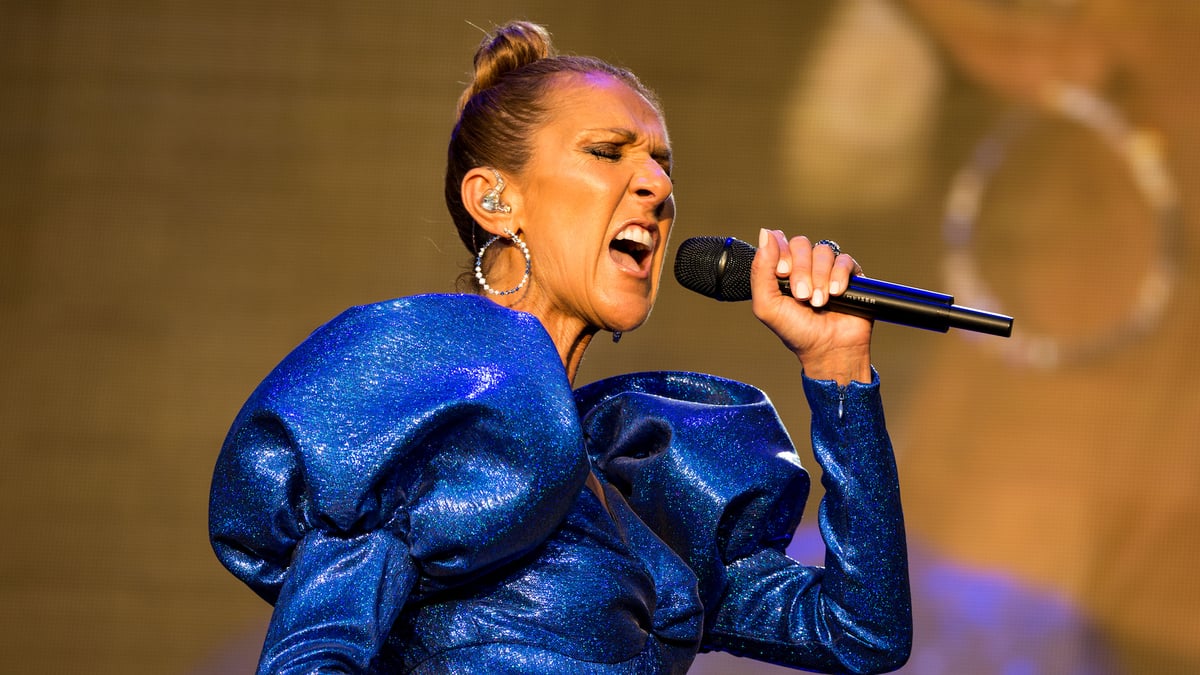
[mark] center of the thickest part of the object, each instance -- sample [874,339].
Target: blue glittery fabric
[411,488]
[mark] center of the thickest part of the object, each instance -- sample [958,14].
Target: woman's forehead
[600,99]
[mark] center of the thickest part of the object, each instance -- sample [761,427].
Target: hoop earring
[1148,171]
[490,201]
[519,243]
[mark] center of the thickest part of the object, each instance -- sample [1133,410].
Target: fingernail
[818,298]
[835,287]
[762,237]
[783,268]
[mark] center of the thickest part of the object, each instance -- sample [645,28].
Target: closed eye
[606,152]
[613,153]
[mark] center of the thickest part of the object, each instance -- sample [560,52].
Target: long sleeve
[390,454]
[707,465]
[854,614]
[324,620]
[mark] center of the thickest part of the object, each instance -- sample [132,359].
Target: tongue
[623,259]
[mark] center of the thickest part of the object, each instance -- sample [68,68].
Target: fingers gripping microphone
[719,267]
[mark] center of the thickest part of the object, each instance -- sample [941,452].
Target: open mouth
[632,248]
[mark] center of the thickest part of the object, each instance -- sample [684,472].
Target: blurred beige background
[188,188]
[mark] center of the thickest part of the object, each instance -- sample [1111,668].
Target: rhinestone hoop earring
[519,243]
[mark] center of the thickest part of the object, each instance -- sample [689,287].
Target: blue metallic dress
[417,489]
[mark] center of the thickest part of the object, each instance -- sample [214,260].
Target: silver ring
[837,250]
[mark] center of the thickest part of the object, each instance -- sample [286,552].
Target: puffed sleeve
[416,442]
[706,463]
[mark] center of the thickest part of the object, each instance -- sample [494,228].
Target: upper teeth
[638,234]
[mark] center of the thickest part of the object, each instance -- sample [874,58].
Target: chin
[626,304]
[631,315]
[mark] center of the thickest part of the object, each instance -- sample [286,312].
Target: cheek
[666,227]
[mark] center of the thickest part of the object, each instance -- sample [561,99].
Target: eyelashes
[612,153]
[605,152]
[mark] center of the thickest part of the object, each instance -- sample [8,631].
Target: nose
[652,182]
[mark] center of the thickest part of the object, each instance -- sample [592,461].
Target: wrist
[843,367]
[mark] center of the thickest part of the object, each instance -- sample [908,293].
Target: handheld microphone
[719,267]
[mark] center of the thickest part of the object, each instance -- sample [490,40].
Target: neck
[571,352]
[571,337]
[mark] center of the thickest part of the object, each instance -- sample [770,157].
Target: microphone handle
[909,306]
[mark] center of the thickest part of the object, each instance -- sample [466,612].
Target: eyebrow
[659,154]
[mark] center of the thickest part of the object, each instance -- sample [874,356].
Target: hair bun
[507,48]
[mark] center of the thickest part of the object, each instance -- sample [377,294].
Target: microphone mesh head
[699,268]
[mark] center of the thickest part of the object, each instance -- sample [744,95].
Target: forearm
[337,604]
[854,614]
[861,519]
[842,366]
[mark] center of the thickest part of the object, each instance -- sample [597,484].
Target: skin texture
[601,165]
[830,346]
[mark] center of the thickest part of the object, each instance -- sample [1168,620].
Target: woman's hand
[830,345]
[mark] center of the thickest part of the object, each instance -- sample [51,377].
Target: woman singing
[418,488]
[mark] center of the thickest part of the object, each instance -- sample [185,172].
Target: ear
[475,185]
